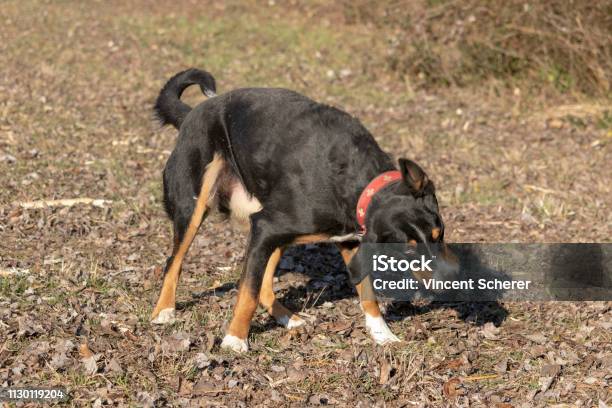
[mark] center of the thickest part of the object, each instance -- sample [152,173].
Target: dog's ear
[413,175]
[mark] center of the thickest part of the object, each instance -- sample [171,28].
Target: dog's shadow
[323,286]
[314,274]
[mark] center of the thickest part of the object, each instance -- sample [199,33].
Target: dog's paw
[291,322]
[379,331]
[234,344]
[166,316]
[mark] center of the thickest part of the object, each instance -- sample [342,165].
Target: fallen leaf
[450,389]
[202,360]
[550,370]
[58,361]
[545,383]
[84,351]
[27,327]
[210,341]
[385,372]
[91,364]
[277,368]
[455,363]
[185,387]
[536,338]
[114,367]
[489,331]
[502,366]
[205,387]
[319,399]
[176,343]
[295,375]
[146,400]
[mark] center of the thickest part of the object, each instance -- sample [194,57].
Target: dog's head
[408,212]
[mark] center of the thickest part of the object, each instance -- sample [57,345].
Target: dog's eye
[435,234]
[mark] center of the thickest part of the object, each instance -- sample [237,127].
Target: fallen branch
[66,202]
[479,377]
[13,272]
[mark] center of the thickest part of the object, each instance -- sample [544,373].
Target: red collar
[378,183]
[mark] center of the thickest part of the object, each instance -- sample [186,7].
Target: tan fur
[266,296]
[167,297]
[244,310]
[347,254]
[435,233]
[368,298]
[364,288]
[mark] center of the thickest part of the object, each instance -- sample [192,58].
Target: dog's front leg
[374,320]
[259,255]
[267,298]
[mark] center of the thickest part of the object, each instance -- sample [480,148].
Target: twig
[13,272]
[223,390]
[480,377]
[320,293]
[66,202]
[543,190]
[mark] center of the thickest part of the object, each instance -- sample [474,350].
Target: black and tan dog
[294,171]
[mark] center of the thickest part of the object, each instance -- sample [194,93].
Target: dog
[293,171]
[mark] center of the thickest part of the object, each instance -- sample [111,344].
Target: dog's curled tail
[169,108]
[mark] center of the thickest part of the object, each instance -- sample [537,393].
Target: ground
[78,282]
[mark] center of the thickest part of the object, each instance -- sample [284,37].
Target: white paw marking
[290,322]
[379,330]
[235,344]
[166,316]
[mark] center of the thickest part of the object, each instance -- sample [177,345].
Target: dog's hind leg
[268,300]
[375,322]
[187,219]
[262,255]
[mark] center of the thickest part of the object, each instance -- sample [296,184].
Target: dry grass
[563,44]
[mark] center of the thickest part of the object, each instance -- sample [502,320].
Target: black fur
[168,108]
[306,163]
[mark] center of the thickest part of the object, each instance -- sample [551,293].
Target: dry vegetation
[564,45]
[515,156]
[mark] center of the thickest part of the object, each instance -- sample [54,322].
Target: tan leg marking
[268,300]
[375,323]
[364,288]
[236,336]
[266,296]
[347,254]
[167,297]
[368,298]
[244,310]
